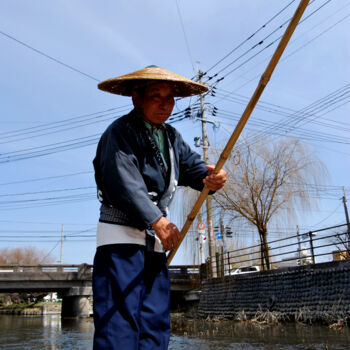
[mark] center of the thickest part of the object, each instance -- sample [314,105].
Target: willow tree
[269,181]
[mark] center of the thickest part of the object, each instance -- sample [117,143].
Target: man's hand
[215,181]
[167,232]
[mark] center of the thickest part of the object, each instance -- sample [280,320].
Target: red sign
[201,226]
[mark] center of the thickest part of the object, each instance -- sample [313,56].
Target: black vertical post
[312,248]
[347,246]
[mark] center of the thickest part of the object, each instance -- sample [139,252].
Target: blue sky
[89,41]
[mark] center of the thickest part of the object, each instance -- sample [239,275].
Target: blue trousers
[131,290]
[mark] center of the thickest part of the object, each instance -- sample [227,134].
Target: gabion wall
[318,292]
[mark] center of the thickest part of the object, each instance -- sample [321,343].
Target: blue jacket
[127,169]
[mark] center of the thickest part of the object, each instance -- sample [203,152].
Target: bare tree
[270,178]
[180,207]
[24,256]
[341,241]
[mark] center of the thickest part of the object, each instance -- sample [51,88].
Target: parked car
[51,297]
[243,269]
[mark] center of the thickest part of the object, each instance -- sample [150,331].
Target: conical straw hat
[124,84]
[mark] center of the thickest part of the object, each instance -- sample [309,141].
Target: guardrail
[46,268]
[184,269]
[327,244]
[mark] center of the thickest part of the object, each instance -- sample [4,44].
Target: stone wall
[318,292]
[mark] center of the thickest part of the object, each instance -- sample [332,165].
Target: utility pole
[200,238]
[61,250]
[222,252]
[211,238]
[347,219]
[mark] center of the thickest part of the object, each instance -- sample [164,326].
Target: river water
[50,332]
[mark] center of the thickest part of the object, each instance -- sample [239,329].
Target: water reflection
[45,332]
[50,332]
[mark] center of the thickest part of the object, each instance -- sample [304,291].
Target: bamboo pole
[244,118]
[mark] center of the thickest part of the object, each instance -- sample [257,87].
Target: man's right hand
[167,232]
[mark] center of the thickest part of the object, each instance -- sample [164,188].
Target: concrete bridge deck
[74,282]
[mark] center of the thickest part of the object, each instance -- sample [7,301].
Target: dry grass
[335,318]
[303,315]
[261,317]
[338,326]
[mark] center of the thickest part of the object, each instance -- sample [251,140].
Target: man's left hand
[215,181]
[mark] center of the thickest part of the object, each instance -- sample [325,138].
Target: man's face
[157,102]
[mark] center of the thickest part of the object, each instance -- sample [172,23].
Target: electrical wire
[48,191]
[249,37]
[282,128]
[24,131]
[49,57]
[265,48]
[68,128]
[184,33]
[71,144]
[50,251]
[44,223]
[45,178]
[283,59]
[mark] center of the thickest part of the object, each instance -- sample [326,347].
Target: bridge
[74,283]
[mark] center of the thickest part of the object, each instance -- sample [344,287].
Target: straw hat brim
[124,85]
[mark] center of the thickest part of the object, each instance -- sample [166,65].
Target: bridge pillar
[76,303]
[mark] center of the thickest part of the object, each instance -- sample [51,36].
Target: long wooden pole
[245,116]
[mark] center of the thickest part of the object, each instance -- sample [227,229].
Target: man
[138,164]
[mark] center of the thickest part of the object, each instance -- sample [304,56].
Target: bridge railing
[82,268]
[176,270]
[184,269]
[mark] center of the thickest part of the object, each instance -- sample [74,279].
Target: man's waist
[113,215]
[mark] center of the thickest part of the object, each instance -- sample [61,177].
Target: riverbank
[189,315]
[41,308]
[261,318]
[309,294]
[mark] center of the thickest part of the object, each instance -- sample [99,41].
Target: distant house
[341,255]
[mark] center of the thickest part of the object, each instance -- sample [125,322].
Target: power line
[44,223]
[39,151]
[282,128]
[326,218]
[24,131]
[48,191]
[61,128]
[258,124]
[342,125]
[71,196]
[44,231]
[67,145]
[317,36]
[49,57]
[317,106]
[184,33]
[3,155]
[289,55]
[49,204]
[268,45]
[45,178]
[47,241]
[278,109]
[50,251]
[249,37]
